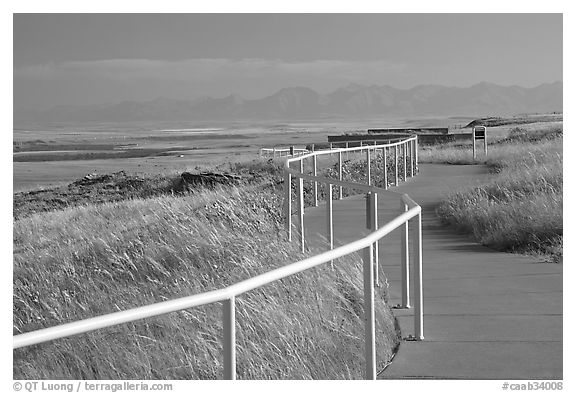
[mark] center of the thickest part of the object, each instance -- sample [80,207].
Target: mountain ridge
[353,100]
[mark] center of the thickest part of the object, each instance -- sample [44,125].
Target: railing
[282,152]
[375,141]
[405,150]
[411,212]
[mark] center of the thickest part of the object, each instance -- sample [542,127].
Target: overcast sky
[86,59]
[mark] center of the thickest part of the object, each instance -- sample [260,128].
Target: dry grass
[499,148]
[87,261]
[119,186]
[520,210]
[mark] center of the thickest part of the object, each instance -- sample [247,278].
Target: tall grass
[499,148]
[87,261]
[520,209]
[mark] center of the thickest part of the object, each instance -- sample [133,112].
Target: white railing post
[407,150]
[368,166]
[288,203]
[229,337]
[396,165]
[374,227]
[340,174]
[474,143]
[417,274]
[314,173]
[369,320]
[416,153]
[405,158]
[347,153]
[301,212]
[329,217]
[404,261]
[385,165]
[411,148]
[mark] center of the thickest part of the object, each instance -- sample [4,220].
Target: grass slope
[520,209]
[499,148]
[120,186]
[90,260]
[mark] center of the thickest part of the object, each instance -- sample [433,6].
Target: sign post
[479,132]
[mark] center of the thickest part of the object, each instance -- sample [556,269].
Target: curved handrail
[218,295]
[372,223]
[228,294]
[289,172]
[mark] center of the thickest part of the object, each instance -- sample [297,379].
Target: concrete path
[487,314]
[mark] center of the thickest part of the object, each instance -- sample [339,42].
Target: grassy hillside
[520,209]
[89,260]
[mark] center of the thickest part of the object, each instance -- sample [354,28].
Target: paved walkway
[487,314]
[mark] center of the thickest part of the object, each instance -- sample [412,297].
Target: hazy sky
[97,58]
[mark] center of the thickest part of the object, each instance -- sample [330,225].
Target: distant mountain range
[352,101]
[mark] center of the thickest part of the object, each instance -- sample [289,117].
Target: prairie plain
[54,154]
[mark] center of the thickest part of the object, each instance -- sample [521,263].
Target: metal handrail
[228,295]
[347,142]
[371,252]
[156,309]
[265,151]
